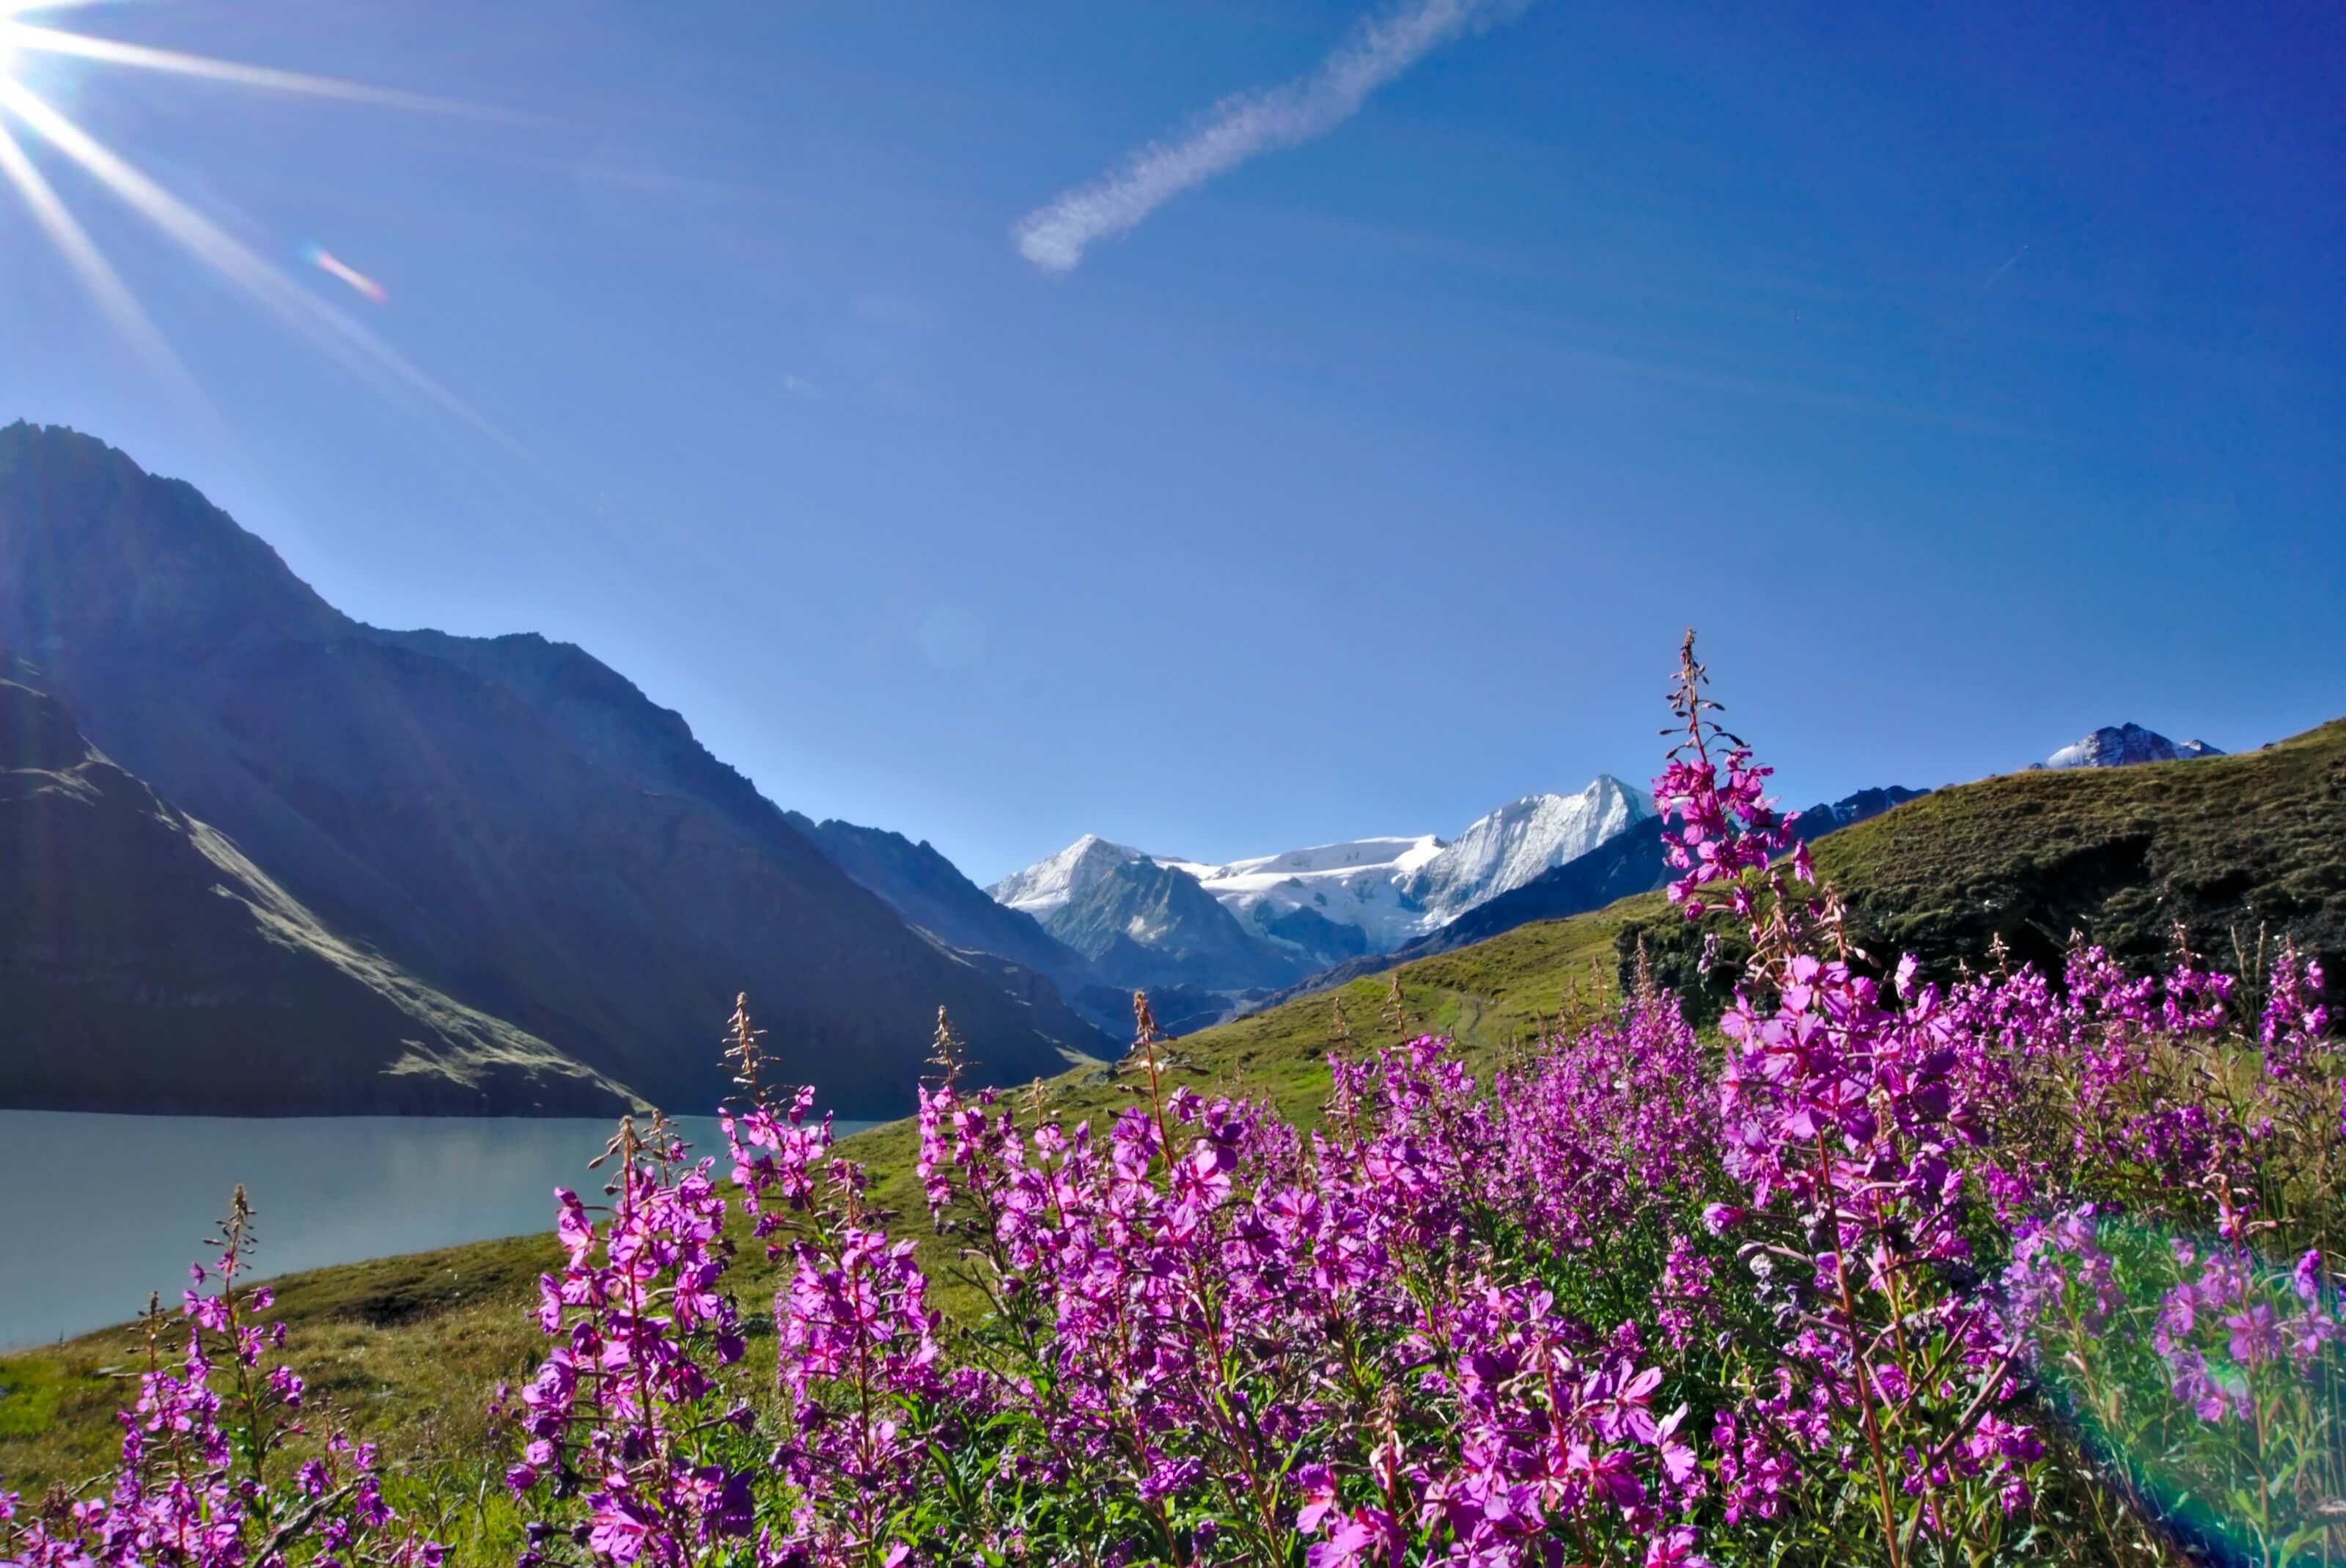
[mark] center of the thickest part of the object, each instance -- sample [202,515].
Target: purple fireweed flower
[200,1480]
[1674,1549]
[2255,1335]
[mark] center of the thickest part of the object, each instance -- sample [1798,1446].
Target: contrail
[2002,270]
[1054,237]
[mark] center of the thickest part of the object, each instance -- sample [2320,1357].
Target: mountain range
[1363,907]
[505,822]
[268,858]
[1249,928]
[1630,861]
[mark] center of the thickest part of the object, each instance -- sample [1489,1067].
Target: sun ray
[25,35]
[112,296]
[233,260]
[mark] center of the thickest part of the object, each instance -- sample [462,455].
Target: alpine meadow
[1342,784]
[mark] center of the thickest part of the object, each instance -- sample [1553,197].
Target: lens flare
[325,262]
[325,326]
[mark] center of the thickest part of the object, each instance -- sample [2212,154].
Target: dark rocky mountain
[507,819]
[149,965]
[1629,862]
[1851,809]
[1322,940]
[930,892]
[1150,925]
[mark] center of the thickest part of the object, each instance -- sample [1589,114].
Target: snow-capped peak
[1367,894]
[2123,746]
[1048,884]
[1519,840]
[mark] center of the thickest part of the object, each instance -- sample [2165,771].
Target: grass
[410,1347]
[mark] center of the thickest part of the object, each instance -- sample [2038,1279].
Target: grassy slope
[2228,847]
[411,1345]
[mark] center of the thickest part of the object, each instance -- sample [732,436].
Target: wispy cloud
[1381,48]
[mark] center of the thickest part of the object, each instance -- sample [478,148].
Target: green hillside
[413,1344]
[2235,849]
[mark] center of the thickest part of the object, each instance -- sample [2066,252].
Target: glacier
[1390,890]
[1508,848]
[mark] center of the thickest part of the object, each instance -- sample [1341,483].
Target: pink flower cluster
[626,1412]
[203,1480]
[1637,1300]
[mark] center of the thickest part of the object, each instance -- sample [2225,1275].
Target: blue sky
[1972,376]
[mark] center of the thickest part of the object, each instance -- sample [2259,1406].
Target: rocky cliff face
[507,819]
[1521,840]
[1148,924]
[1050,884]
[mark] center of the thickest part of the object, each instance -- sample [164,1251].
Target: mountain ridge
[1151,924]
[1299,911]
[437,797]
[931,893]
[1504,849]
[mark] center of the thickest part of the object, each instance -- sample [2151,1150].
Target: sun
[11,55]
[28,121]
